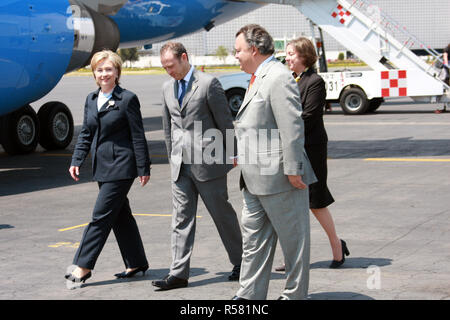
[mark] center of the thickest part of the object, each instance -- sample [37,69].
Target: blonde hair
[111,56]
[305,49]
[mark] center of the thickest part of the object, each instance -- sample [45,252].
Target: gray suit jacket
[270,133]
[196,132]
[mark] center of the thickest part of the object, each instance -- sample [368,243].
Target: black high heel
[83,279]
[335,263]
[131,274]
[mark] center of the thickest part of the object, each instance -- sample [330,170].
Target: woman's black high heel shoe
[131,274]
[72,278]
[336,264]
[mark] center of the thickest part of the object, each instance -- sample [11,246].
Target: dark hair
[305,49]
[177,49]
[256,36]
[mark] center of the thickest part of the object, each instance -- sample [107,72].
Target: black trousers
[112,211]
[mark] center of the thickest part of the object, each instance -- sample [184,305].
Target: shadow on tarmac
[150,275]
[155,274]
[384,109]
[336,110]
[389,148]
[339,296]
[152,123]
[354,263]
[49,169]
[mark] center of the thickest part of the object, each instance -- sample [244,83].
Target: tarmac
[388,172]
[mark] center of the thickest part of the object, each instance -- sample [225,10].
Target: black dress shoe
[235,273]
[130,274]
[336,264]
[282,298]
[281,268]
[83,279]
[238,298]
[170,282]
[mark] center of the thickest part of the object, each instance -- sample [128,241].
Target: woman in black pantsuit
[301,57]
[114,134]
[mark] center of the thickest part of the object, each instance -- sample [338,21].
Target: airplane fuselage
[41,40]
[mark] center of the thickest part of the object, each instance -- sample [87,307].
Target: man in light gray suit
[196,119]
[275,171]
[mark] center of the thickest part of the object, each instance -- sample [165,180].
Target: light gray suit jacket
[204,110]
[270,133]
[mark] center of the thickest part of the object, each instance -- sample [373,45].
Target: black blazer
[313,94]
[115,137]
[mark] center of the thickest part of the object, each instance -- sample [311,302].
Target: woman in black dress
[301,57]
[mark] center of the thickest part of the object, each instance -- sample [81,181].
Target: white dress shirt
[102,98]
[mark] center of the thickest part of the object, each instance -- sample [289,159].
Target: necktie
[252,79]
[183,91]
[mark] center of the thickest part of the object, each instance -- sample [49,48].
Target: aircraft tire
[20,131]
[56,126]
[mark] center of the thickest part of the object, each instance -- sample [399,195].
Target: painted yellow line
[74,227]
[151,215]
[59,244]
[134,214]
[65,244]
[406,160]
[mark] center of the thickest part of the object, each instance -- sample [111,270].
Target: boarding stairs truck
[367,32]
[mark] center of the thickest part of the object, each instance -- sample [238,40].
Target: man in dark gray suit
[196,119]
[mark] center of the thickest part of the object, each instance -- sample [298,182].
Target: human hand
[144,180]
[74,172]
[297,182]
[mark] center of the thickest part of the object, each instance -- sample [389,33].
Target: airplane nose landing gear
[21,130]
[56,126]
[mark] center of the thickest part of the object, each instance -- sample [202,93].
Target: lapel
[93,104]
[112,103]
[303,83]
[175,95]
[191,87]
[250,94]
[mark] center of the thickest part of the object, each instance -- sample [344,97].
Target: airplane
[41,40]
